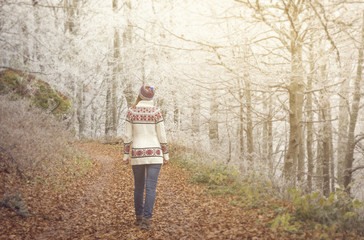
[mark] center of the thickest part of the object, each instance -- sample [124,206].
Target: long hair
[137,101]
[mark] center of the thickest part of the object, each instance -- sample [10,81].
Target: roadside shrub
[217,174]
[286,223]
[33,138]
[222,179]
[183,157]
[338,209]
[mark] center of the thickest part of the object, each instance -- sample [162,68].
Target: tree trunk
[127,44]
[265,155]
[267,132]
[78,118]
[241,122]
[270,134]
[196,113]
[295,89]
[36,46]
[349,156]
[213,123]
[113,105]
[116,72]
[309,139]
[295,155]
[249,124]
[81,116]
[93,121]
[331,149]
[326,135]
[343,123]
[295,138]
[299,98]
[320,154]
[108,127]
[176,113]
[325,155]
[71,7]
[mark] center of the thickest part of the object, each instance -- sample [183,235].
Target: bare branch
[361,137]
[324,25]
[356,168]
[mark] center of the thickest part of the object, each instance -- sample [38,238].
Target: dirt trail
[102,207]
[85,208]
[182,211]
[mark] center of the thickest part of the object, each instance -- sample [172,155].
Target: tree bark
[213,123]
[326,135]
[265,154]
[108,127]
[249,121]
[295,155]
[295,88]
[331,149]
[127,37]
[176,112]
[309,129]
[241,122]
[116,72]
[320,154]
[196,113]
[81,115]
[270,134]
[325,155]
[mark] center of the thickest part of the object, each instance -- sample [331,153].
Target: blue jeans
[145,175]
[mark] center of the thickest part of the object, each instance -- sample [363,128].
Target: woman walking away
[145,132]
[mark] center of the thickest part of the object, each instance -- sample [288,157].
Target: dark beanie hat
[146,93]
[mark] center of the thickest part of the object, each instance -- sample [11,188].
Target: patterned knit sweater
[145,135]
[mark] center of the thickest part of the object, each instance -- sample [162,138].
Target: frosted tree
[355,106]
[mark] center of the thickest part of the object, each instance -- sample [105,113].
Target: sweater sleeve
[128,135]
[161,132]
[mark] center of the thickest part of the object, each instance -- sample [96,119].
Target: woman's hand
[126,162]
[165,162]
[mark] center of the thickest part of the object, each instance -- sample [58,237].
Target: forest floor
[99,205]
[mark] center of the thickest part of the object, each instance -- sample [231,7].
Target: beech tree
[349,156]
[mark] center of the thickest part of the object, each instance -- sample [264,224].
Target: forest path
[103,208]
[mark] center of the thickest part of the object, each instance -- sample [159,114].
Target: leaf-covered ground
[99,205]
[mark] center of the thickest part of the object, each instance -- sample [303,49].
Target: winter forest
[270,87]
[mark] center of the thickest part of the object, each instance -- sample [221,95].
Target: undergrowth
[37,144]
[36,152]
[313,212]
[338,211]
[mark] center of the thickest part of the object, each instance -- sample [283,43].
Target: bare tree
[349,156]
[292,39]
[111,118]
[309,111]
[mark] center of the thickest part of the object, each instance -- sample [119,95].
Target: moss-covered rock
[40,93]
[47,98]
[9,81]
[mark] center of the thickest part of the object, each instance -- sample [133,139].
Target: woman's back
[144,119]
[145,131]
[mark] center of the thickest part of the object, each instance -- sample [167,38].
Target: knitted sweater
[145,136]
